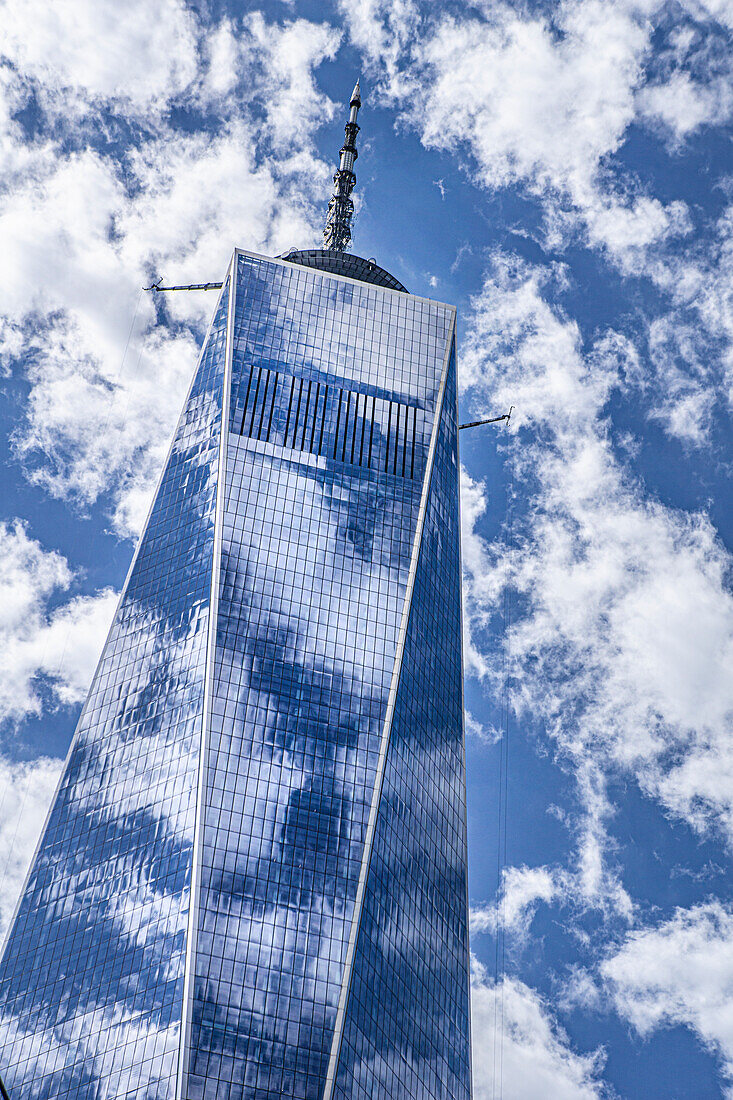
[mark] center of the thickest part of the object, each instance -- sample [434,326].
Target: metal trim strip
[193,911]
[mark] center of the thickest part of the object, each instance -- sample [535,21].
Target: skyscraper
[252,880]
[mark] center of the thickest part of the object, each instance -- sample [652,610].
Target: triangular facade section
[92,977]
[406,1027]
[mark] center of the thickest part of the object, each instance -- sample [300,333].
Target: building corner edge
[188,982]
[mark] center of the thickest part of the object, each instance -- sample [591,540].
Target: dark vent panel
[357,429]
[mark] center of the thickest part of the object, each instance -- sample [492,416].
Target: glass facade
[91,979]
[406,1031]
[258,844]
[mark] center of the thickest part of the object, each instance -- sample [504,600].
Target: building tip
[355,95]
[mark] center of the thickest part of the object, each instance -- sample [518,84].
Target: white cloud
[580,990]
[543,100]
[141,56]
[489,735]
[272,65]
[685,395]
[81,233]
[519,350]
[721,11]
[686,377]
[680,972]
[623,633]
[521,889]
[25,796]
[383,30]
[540,100]
[519,1051]
[691,346]
[684,105]
[284,58]
[483,580]
[689,75]
[534,105]
[61,645]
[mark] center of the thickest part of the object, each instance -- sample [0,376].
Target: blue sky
[563,173]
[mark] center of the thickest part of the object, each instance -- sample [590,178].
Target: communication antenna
[337,231]
[191,286]
[490,420]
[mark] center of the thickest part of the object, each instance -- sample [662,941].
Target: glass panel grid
[333,396]
[406,1032]
[316,556]
[91,979]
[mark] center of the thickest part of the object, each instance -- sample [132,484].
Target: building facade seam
[190,968]
[384,745]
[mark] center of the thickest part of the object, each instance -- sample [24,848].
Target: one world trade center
[252,880]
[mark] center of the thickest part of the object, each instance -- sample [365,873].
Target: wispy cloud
[520,892]
[679,972]
[83,228]
[542,100]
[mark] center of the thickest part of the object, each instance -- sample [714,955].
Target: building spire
[337,232]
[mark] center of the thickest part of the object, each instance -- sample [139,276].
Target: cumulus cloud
[26,790]
[96,420]
[141,57]
[55,648]
[691,343]
[519,1051]
[624,626]
[281,59]
[521,890]
[679,972]
[383,30]
[689,78]
[542,100]
[83,230]
[527,101]
[483,575]
[684,105]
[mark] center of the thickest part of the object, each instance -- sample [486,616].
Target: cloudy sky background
[563,173]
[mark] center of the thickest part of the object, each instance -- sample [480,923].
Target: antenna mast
[337,232]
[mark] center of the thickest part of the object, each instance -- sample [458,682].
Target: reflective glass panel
[91,980]
[407,1021]
[333,400]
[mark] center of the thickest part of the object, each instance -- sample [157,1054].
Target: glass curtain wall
[292,744]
